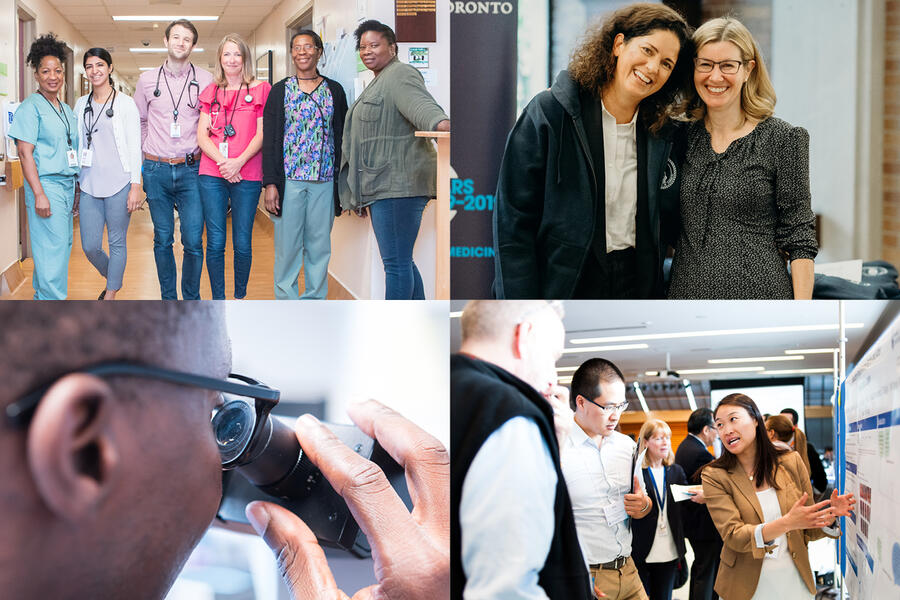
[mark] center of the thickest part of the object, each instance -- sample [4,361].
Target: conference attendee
[597,463]
[588,185]
[745,199]
[512,533]
[658,549]
[761,501]
[384,166]
[692,455]
[303,126]
[111,481]
[230,134]
[45,131]
[812,460]
[109,132]
[168,102]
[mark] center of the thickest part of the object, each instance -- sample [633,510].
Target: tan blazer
[735,510]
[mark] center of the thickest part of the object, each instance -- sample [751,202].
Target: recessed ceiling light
[796,371]
[717,361]
[712,332]
[717,370]
[161,18]
[606,348]
[812,351]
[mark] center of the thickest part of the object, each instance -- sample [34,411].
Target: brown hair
[767,454]
[593,64]
[784,430]
[187,25]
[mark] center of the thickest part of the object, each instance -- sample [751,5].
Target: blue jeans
[112,212]
[170,187]
[215,192]
[395,222]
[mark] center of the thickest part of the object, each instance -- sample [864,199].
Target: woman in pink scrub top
[230,135]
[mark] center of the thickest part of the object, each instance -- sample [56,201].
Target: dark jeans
[169,187]
[658,578]
[396,224]
[215,192]
[705,569]
[614,278]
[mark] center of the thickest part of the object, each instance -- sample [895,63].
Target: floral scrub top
[308,133]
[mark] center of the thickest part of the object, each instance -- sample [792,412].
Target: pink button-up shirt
[157,112]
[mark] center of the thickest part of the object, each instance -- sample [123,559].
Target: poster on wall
[483,111]
[871,448]
[416,20]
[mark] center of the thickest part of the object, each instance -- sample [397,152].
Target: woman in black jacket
[658,539]
[303,123]
[587,176]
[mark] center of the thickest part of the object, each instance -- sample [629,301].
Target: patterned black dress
[738,209]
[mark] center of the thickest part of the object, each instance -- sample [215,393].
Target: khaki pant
[621,584]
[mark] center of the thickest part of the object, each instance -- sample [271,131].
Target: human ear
[618,42]
[520,338]
[72,454]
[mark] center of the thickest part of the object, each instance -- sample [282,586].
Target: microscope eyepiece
[233,426]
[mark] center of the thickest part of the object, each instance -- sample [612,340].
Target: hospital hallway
[140,281]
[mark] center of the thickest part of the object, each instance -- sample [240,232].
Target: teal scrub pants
[303,239]
[51,237]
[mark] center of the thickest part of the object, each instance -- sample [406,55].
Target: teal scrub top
[37,122]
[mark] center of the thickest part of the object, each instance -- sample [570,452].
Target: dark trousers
[704,569]
[658,578]
[612,278]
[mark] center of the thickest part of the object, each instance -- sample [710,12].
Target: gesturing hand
[637,504]
[411,550]
[842,506]
[809,517]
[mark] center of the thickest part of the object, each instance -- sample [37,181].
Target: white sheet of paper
[850,270]
[681,492]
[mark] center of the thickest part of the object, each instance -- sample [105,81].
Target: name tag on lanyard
[72,157]
[87,157]
[175,129]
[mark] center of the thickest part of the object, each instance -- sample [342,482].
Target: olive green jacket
[381,157]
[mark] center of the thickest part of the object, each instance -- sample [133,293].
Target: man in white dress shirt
[512,531]
[598,465]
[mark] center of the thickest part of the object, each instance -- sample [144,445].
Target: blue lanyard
[660,501]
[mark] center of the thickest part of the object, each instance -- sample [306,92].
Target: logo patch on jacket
[669,175]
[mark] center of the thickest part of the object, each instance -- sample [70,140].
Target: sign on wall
[416,20]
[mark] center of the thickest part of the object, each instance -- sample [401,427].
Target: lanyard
[172,96]
[89,134]
[660,501]
[229,128]
[65,121]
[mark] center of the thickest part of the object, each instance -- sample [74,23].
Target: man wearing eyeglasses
[597,462]
[111,472]
[512,531]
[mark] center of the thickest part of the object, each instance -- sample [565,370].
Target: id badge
[615,513]
[175,130]
[72,157]
[87,157]
[223,149]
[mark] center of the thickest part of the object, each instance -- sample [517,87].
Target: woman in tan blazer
[759,498]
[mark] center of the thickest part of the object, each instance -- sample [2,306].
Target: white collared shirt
[620,167]
[598,477]
[506,514]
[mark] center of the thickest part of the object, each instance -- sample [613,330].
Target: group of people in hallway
[655,138]
[204,145]
[549,500]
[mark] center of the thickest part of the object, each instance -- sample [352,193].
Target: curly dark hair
[593,64]
[46,45]
[377,27]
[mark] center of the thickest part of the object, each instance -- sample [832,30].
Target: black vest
[483,397]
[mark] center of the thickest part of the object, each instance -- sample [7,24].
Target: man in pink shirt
[167,99]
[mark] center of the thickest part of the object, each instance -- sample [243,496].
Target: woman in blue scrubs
[46,137]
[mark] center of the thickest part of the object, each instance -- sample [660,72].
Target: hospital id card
[615,512]
[223,149]
[72,157]
[87,157]
[175,130]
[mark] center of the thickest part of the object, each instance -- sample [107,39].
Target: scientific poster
[872,453]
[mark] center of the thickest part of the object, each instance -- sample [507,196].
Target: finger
[637,486]
[819,505]
[422,456]
[378,510]
[300,558]
[367,593]
[800,501]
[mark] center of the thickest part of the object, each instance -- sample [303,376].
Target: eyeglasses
[726,67]
[233,436]
[609,408]
[305,47]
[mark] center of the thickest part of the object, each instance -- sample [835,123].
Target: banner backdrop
[483,103]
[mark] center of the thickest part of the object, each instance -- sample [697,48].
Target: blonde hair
[757,93]
[648,430]
[247,75]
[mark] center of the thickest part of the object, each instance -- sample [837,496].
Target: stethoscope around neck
[215,106]
[192,84]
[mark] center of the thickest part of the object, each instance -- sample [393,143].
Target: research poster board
[872,463]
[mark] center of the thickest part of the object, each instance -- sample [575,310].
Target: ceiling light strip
[713,332]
